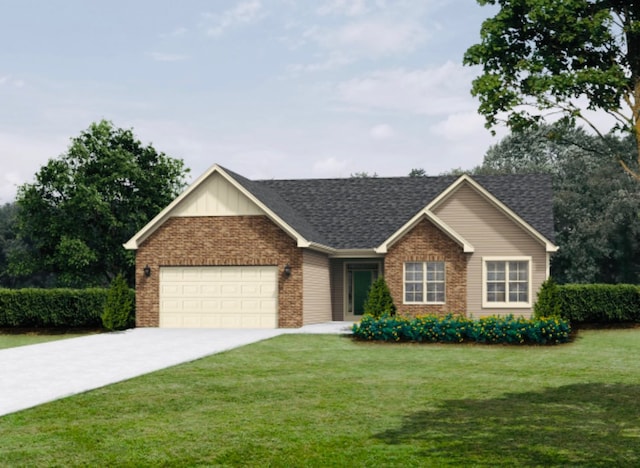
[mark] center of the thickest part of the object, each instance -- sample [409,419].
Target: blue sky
[267,88]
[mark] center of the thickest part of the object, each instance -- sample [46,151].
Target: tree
[363,175]
[118,312]
[418,172]
[548,301]
[379,301]
[85,204]
[548,56]
[595,205]
[7,240]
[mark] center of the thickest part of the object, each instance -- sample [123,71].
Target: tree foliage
[548,300]
[118,312]
[595,204]
[379,301]
[363,175]
[541,57]
[86,203]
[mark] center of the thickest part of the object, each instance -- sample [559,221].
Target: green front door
[361,284]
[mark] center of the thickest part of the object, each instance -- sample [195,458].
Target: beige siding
[216,197]
[493,234]
[316,293]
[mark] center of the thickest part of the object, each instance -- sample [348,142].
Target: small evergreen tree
[379,301]
[548,303]
[118,308]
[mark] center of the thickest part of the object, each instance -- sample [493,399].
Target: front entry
[359,277]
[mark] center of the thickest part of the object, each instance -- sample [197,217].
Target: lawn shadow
[575,425]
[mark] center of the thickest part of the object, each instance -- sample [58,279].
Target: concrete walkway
[36,374]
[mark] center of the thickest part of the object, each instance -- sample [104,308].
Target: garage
[219,297]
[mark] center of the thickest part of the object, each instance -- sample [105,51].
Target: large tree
[544,57]
[86,203]
[595,204]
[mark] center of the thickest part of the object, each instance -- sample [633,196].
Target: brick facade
[425,242]
[219,241]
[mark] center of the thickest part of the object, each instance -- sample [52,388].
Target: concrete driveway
[36,374]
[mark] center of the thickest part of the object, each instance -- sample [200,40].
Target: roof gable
[199,194]
[216,196]
[502,207]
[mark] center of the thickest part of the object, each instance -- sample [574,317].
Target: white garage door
[219,297]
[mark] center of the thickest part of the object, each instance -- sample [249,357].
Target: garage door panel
[229,289]
[210,290]
[230,274]
[170,290]
[218,297]
[190,290]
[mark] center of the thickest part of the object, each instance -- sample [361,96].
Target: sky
[267,88]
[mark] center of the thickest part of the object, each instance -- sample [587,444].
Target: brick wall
[219,241]
[423,243]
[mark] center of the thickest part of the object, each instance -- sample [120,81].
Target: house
[232,252]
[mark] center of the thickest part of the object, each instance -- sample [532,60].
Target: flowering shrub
[454,329]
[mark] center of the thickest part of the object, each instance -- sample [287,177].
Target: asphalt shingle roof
[361,213]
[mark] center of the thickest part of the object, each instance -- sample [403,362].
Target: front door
[361,284]
[359,277]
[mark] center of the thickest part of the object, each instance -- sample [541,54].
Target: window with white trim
[424,283]
[507,282]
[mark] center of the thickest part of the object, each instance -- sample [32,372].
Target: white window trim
[424,283]
[505,305]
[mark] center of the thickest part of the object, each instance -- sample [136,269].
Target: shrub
[453,329]
[52,308]
[548,302]
[599,303]
[117,313]
[379,301]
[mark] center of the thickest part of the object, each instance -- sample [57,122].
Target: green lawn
[11,340]
[305,400]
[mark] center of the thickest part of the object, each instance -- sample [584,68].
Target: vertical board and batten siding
[216,197]
[492,234]
[316,292]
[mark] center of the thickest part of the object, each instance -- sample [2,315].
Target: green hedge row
[53,308]
[454,329]
[599,303]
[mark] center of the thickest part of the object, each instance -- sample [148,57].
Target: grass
[13,339]
[305,400]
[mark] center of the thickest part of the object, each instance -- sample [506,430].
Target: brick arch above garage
[218,241]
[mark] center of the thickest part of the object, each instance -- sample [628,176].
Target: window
[424,282]
[506,282]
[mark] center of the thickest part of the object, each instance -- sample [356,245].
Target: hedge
[599,303]
[454,329]
[52,308]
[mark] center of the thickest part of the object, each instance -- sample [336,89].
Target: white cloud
[431,91]
[343,7]
[180,31]
[8,80]
[330,167]
[163,57]
[243,13]
[335,60]
[382,132]
[370,38]
[458,126]
[27,155]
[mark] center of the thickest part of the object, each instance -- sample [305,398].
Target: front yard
[13,339]
[305,400]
